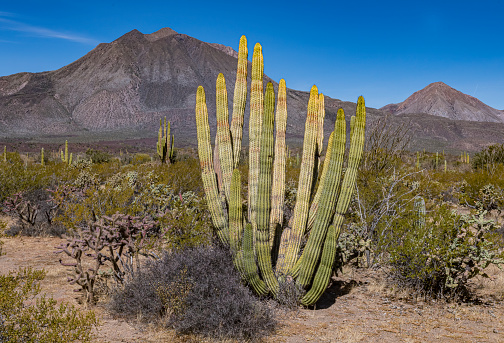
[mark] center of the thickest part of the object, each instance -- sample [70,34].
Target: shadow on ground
[337,289]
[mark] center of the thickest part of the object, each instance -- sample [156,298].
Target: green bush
[98,156]
[140,158]
[489,158]
[43,321]
[439,258]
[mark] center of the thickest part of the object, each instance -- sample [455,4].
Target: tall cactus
[266,250]
[64,156]
[164,146]
[419,208]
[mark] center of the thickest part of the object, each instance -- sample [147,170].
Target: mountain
[441,100]
[119,91]
[124,87]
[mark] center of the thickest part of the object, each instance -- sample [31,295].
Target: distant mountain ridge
[441,100]
[129,84]
[120,90]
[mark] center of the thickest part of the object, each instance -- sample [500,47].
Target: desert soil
[356,308]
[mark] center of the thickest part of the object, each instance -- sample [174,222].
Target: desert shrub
[438,259]
[114,242]
[196,291]
[379,200]
[482,189]
[489,158]
[42,321]
[140,158]
[15,177]
[182,176]
[33,213]
[186,222]
[385,145]
[98,156]
[354,247]
[289,293]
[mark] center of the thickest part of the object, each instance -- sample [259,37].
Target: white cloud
[13,25]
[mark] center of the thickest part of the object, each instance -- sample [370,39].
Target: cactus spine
[165,142]
[256,235]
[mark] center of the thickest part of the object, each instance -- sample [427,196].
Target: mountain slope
[129,84]
[441,100]
[120,90]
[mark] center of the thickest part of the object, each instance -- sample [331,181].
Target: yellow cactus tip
[314,89]
[282,82]
[243,39]
[258,47]
[341,112]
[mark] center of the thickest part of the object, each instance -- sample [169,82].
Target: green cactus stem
[265,249]
[240,98]
[223,137]
[213,199]
[278,187]
[66,151]
[419,208]
[325,210]
[287,258]
[255,123]
[164,146]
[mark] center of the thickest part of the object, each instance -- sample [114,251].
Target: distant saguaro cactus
[261,232]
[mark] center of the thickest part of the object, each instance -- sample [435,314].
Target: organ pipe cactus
[65,157]
[266,249]
[165,143]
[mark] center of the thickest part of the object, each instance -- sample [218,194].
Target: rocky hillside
[441,100]
[129,84]
[120,90]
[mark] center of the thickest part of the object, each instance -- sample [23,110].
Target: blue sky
[383,50]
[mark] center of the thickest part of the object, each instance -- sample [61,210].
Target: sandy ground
[356,308]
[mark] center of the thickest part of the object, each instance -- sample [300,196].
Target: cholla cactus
[261,232]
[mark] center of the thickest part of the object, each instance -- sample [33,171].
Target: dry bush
[195,291]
